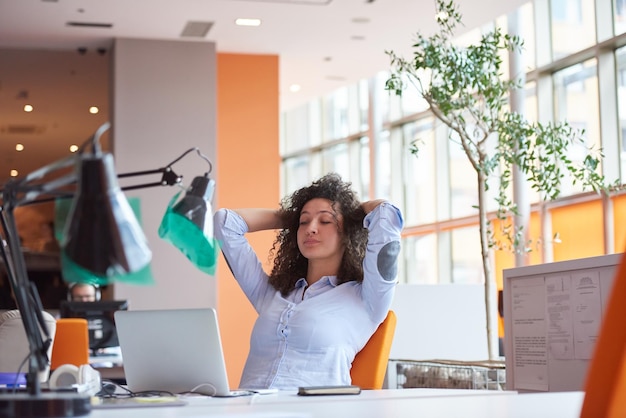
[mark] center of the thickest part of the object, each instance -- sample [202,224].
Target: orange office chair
[605,384]
[370,364]
[71,343]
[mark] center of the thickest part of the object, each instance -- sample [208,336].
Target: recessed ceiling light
[93,110]
[360,20]
[335,78]
[294,88]
[73,148]
[19,147]
[247,22]
[14,173]
[357,37]
[28,108]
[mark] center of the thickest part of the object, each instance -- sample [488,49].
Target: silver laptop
[175,350]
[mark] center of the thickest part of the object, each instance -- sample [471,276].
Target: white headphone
[85,379]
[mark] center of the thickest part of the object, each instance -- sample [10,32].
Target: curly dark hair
[289,264]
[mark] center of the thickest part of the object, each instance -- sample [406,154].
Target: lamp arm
[204,157]
[27,301]
[31,193]
[95,139]
[47,169]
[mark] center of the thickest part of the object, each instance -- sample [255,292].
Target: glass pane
[385,100]
[573,26]
[412,102]
[419,256]
[343,111]
[420,179]
[336,114]
[531,114]
[335,159]
[363,105]
[619,16]
[364,168]
[620,58]
[502,23]
[301,127]
[383,165]
[527,33]
[295,174]
[466,259]
[463,189]
[576,101]
[358,153]
[396,107]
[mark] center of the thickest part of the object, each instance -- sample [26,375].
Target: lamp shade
[188,224]
[102,234]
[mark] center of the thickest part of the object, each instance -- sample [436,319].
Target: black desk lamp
[102,239]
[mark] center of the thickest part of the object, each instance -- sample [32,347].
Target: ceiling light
[19,147]
[294,88]
[335,78]
[73,148]
[28,108]
[93,110]
[14,173]
[247,22]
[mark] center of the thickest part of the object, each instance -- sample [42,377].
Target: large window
[619,14]
[620,57]
[573,26]
[366,133]
[419,178]
[576,101]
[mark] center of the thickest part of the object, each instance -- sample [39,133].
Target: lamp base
[44,405]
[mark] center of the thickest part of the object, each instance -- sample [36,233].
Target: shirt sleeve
[230,230]
[380,265]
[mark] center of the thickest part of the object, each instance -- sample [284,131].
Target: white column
[164,103]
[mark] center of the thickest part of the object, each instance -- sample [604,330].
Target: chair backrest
[14,346]
[71,343]
[370,364]
[605,384]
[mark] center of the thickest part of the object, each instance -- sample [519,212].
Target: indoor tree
[467,91]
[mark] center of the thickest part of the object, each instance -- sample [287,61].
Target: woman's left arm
[380,265]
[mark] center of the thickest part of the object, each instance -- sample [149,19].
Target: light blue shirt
[312,340]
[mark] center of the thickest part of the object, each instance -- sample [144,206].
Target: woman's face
[319,231]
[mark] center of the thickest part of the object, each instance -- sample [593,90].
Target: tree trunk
[490,288]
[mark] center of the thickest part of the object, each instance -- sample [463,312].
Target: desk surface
[394,403]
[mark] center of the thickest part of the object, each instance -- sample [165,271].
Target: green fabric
[73,273]
[197,245]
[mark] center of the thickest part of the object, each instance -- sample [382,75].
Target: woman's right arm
[259,219]
[230,228]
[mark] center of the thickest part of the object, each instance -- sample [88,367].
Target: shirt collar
[332,280]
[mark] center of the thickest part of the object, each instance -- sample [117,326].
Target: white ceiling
[321,44]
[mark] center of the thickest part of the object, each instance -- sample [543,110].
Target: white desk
[394,403]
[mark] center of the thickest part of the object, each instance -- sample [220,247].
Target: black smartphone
[329,390]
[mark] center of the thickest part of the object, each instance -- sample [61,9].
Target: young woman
[332,283]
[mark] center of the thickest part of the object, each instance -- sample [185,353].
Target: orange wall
[619,217]
[248,167]
[581,230]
